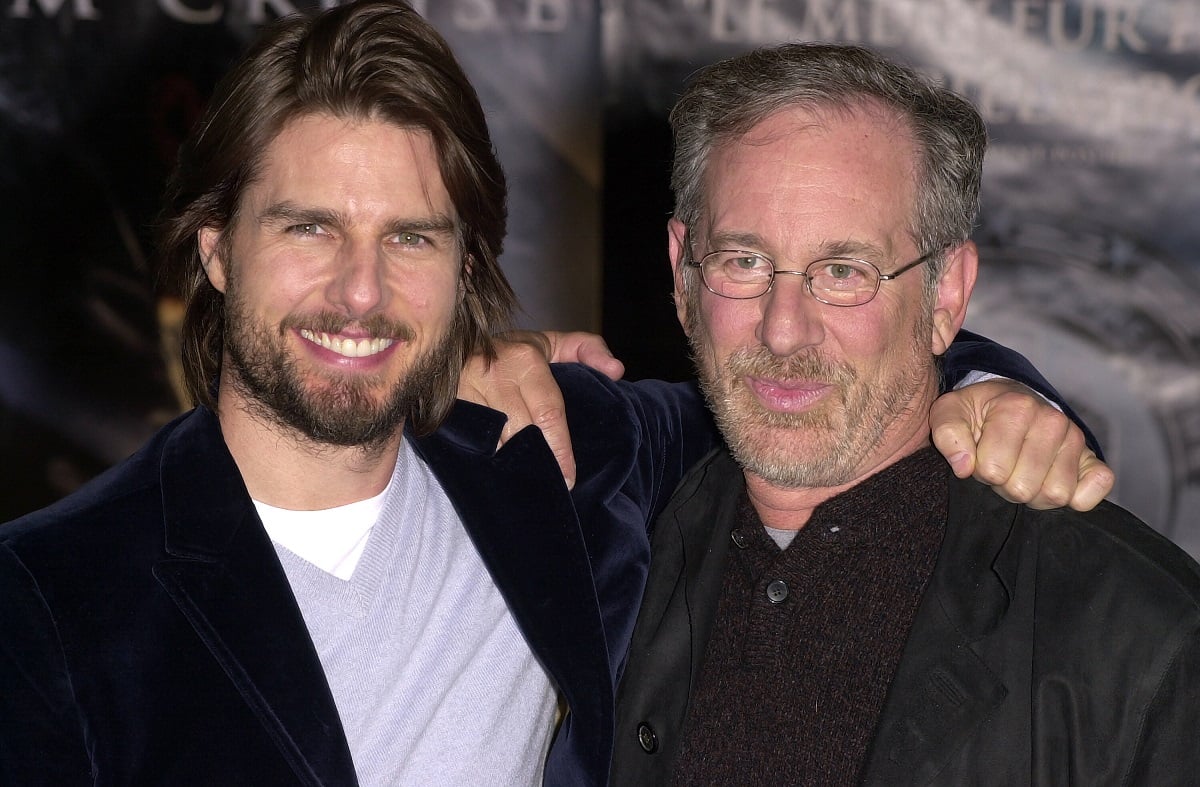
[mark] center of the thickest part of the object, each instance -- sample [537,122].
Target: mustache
[806,365]
[376,325]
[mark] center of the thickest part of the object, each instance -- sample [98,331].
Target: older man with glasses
[827,602]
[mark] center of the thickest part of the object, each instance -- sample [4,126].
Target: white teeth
[350,348]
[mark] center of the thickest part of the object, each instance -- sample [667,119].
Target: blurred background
[1089,234]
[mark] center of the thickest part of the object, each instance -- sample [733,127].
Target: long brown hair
[376,59]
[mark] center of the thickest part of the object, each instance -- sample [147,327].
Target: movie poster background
[1089,230]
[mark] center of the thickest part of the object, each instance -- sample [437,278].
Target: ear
[953,291]
[209,239]
[677,248]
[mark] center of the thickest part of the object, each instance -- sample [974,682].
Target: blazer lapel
[943,688]
[226,579]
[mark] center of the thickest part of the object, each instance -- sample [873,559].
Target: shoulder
[102,508]
[1104,555]
[1111,544]
[656,407]
[582,385]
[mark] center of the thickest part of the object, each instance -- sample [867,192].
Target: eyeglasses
[837,281]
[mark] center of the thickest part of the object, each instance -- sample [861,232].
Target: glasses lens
[843,282]
[736,274]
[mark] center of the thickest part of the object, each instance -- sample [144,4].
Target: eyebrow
[736,240]
[289,213]
[437,224]
[857,249]
[751,241]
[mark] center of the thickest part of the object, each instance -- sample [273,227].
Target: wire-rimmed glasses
[837,281]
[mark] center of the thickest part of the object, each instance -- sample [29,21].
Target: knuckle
[548,416]
[1022,405]
[1019,490]
[992,473]
[1056,495]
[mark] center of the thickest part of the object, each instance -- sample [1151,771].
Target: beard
[342,410]
[827,445]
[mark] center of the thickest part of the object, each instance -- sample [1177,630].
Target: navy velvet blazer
[148,634]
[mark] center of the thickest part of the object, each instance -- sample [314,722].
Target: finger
[1096,480]
[587,348]
[519,383]
[1006,426]
[532,396]
[550,416]
[602,360]
[1046,470]
[507,397]
[955,439]
[1059,480]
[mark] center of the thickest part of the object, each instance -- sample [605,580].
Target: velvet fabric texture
[1050,648]
[148,634]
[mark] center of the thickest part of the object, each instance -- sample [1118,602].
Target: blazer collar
[205,502]
[222,572]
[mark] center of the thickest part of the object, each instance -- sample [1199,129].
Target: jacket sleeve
[678,431]
[41,739]
[971,352]
[672,430]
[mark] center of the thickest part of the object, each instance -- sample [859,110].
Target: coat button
[777,591]
[647,738]
[739,539]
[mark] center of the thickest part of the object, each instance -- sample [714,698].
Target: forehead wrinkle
[823,119]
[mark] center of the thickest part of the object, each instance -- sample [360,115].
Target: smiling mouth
[350,348]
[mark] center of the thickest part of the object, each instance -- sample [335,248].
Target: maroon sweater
[806,639]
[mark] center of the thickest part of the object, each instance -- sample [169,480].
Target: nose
[791,317]
[358,285]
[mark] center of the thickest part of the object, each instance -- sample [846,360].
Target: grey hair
[724,101]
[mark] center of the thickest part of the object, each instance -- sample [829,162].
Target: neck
[286,469]
[790,508]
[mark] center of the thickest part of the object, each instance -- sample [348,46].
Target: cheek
[283,278]
[878,341]
[727,321]
[434,296]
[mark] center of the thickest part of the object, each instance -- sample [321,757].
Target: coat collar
[222,572]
